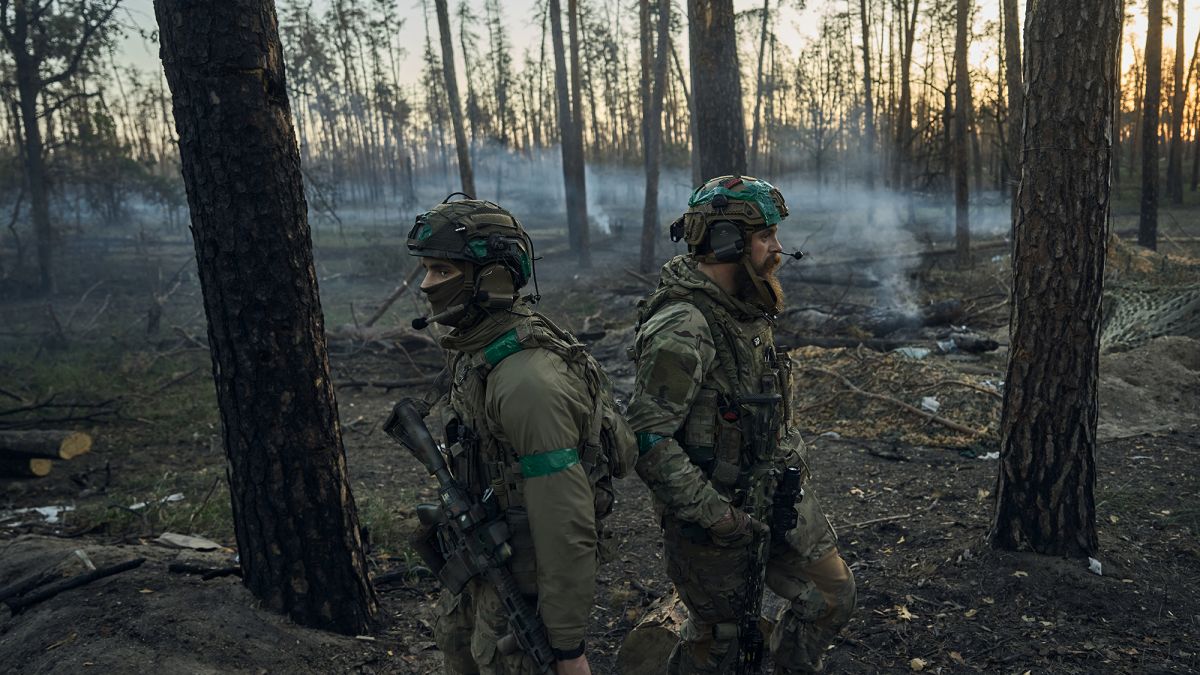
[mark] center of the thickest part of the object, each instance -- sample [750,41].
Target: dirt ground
[910,497]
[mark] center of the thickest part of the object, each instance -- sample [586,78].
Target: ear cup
[726,241]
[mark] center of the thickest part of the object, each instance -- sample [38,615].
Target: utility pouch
[523,563]
[700,428]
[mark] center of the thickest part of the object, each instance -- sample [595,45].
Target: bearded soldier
[711,409]
[521,421]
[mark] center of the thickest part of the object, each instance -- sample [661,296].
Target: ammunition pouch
[424,540]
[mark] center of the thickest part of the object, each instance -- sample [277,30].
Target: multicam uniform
[698,349]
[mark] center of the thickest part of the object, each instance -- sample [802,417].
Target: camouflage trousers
[467,630]
[808,574]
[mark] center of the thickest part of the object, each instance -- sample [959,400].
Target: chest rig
[481,454]
[736,408]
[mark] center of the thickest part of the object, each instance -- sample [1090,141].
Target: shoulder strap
[718,320]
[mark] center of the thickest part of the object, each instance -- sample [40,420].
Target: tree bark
[962,112]
[652,133]
[1148,216]
[1175,149]
[578,180]
[1045,496]
[295,519]
[900,155]
[758,86]
[460,135]
[572,163]
[716,88]
[1016,93]
[868,101]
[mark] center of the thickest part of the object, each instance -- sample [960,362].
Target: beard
[749,291]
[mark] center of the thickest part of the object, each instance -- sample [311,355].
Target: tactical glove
[735,529]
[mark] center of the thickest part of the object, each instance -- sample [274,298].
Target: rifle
[473,538]
[782,517]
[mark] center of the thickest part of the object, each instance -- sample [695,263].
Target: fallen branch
[387,384]
[901,404]
[205,572]
[641,277]
[876,344]
[968,385]
[20,604]
[885,519]
[387,303]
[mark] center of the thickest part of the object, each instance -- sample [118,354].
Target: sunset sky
[794,27]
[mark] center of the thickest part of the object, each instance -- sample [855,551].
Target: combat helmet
[722,212]
[488,242]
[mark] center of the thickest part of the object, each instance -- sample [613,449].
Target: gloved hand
[736,528]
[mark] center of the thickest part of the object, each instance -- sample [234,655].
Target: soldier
[520,421]
[704,344]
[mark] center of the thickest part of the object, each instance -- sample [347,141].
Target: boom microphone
[794,254]
[422,322]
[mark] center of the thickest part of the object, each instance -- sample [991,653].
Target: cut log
[646,648]
[47,444]
[24,467]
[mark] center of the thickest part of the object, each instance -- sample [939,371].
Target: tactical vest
[715,434]
[607,447]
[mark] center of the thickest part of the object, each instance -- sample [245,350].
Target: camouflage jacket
[698,349]
[513,423]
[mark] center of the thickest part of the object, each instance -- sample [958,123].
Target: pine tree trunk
[652,124]
[868,101]
[962,111]
[1175,149]
[578,179]
[1045,497]
[758,86]
[1148,217]
[296,523]
[716,88]
[460,134]
[903,142]
[1016,93]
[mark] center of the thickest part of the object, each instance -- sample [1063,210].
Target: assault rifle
[472,537]
[778,513]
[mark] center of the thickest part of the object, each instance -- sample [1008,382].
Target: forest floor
[911,499]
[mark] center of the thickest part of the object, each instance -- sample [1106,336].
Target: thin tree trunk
[583,248]
[1045,497]
[758,93]
[693,141]
[653,126]
[1148,215]
[1016,93]
[716,88]
[460,135]
[296,524]
[868,102]
[962,111]
[903,140]
[1175,149]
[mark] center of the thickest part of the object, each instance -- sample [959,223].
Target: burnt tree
[296,523]
[460,135]
[570,140]
[1148,215]
[1178,97]
[1016,92]
[1045,496]
[652,107]
[716,88]
[962,113]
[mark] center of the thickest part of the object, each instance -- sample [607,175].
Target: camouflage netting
[824,402]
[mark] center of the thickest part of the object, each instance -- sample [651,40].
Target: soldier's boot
[808,625]
[703,650]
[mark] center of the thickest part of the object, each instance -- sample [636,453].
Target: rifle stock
[473,536]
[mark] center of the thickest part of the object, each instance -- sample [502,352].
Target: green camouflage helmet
[748,203]
[474,231]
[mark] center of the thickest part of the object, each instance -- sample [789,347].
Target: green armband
[547,463]
[646,441]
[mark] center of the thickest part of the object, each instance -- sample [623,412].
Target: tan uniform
[698,350]
[514,423]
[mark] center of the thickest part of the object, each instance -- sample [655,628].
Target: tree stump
[45,444]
